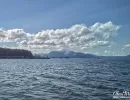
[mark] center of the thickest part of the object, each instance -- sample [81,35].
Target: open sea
[63,79]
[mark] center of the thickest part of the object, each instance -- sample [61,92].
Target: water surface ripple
[62,79]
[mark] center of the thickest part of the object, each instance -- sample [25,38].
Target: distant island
[7,53]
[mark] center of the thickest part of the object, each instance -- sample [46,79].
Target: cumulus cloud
[126,46]
[81,36]
[106,51]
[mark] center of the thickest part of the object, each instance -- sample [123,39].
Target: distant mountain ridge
[69,54]
[21,53]
[72,54]
[128,55]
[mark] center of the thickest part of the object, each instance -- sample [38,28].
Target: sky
[100,27]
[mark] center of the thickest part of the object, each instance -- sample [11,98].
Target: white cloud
[23,43]
[15,33]
[126,47]
[99,34]
[106,51]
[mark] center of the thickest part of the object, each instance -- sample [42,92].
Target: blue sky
[33,16]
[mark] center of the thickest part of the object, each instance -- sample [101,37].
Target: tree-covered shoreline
[15,53]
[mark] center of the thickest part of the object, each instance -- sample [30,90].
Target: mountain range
[68,54]
[72,54]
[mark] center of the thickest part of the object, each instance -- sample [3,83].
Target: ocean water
[62,79]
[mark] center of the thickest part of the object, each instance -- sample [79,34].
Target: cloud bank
[77,36]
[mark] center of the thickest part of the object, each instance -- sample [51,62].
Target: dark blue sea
[63,79]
